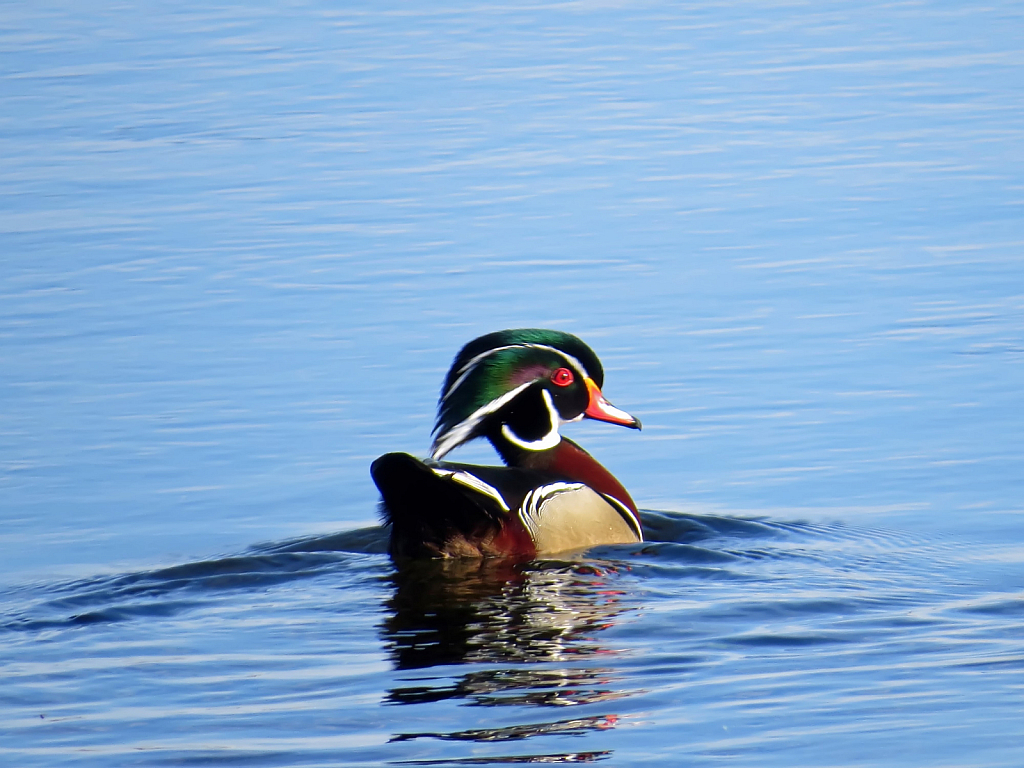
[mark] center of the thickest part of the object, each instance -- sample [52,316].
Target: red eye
[562,377]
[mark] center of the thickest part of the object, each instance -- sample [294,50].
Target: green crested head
[531,379]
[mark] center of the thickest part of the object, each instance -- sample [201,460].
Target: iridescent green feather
[480,376]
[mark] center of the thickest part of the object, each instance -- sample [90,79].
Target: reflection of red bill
[600,409]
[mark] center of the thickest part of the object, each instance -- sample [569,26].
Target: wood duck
[515,388]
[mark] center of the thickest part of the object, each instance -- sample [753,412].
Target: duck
[515,388]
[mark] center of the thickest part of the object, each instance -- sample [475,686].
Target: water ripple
[739,618]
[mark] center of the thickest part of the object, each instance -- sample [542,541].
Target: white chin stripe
[550,440]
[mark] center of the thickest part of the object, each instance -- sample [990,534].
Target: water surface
[240,246]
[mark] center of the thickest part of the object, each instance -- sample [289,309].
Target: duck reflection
[575,727]
[515,614]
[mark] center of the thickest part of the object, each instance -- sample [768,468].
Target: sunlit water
[241,244]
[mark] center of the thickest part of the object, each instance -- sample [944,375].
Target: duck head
[517,387]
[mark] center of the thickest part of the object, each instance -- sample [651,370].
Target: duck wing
[442,509]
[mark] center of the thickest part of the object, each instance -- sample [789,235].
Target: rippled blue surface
[241,244]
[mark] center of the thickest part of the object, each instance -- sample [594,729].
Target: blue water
[240,245]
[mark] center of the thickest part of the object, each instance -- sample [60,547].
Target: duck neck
[568,460]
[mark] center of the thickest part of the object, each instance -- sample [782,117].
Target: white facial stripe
[461,431]
[550,440]
[465,370]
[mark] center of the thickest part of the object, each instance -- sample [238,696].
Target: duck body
[514,388]
[446,509]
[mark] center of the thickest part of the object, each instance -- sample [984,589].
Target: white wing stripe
[474,482]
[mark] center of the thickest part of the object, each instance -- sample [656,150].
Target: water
[240,246]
